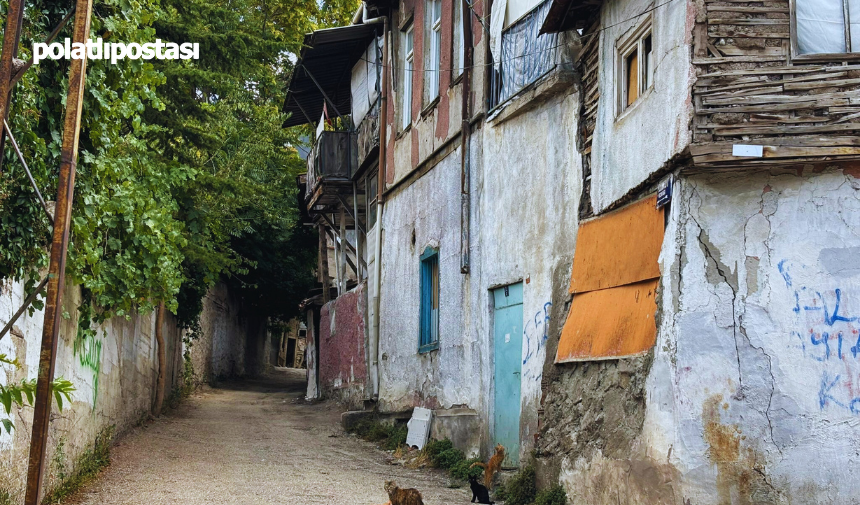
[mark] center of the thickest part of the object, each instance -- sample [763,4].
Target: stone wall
[749,395]
[231,344]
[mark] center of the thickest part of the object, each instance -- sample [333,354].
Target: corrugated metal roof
[328,56]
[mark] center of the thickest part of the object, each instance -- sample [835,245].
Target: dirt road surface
[250,443]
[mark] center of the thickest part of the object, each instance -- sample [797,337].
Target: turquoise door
[508,338]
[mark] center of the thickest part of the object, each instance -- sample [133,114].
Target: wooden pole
[162,360]
[57,265]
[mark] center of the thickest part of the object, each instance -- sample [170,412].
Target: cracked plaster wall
[527,196]
[525,187]
[752,395]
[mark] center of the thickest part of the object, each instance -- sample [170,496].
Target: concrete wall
[114,374]
[230,344]
[630,146]
[342,341]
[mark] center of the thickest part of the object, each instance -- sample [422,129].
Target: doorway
[507,375]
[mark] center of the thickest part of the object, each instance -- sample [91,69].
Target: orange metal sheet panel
[610,323]
[619,248]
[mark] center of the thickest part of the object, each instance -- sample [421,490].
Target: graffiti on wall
[827,334]
[535,334]
[88,349]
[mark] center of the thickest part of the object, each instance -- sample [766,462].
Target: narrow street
[254,442]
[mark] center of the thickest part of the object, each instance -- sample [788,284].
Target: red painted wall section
[342,340]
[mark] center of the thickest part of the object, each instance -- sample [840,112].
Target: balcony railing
[525,56]
[334,157]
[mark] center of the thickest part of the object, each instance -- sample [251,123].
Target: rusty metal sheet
[619,248]
[610,323]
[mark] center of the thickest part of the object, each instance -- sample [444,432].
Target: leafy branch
[16,394]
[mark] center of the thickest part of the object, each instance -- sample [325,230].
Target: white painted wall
[430,207]
[118,390]
[627,148]
[526,197]
[526,182]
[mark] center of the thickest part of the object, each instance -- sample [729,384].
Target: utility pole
[57,266]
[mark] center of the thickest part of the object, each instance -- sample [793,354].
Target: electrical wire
[494,63]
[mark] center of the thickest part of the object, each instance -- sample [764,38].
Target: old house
[616,235]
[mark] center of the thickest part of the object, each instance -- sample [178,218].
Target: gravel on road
[254,442]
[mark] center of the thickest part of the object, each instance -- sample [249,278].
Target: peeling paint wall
[751,393]
[114,374]
[525,187]
[342,348]
[526,199]
[630,146]
[425,214]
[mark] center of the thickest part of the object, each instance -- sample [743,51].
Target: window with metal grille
[429,301]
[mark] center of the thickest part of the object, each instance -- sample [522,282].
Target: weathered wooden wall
[750,90]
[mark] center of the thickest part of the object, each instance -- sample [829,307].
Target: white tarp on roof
[821,26]
[365,81]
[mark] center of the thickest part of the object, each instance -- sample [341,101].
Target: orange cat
[402,496]
[492,466]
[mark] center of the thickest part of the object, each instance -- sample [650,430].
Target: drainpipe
[465,148]
[377,269]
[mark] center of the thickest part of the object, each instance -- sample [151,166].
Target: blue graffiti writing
[828,335]
[535,334]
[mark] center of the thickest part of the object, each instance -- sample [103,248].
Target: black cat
[479,492]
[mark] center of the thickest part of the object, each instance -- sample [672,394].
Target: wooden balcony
[331,165]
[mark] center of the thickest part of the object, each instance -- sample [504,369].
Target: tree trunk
[162,360]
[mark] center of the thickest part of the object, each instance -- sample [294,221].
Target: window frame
[458,52]
[371,194]
[625,46]
[813,57]
[408,39]
[434,52]
[428,322]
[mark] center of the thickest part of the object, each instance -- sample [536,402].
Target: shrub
[462,471]
[552,496]
[396,437]
[87,466]
[391,436]
[521,489]
[449,458]
[434,447]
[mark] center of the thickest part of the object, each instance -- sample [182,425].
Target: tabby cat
[402,496]
[491,467]
[479,491]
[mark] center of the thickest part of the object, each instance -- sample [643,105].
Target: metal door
[508,338]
